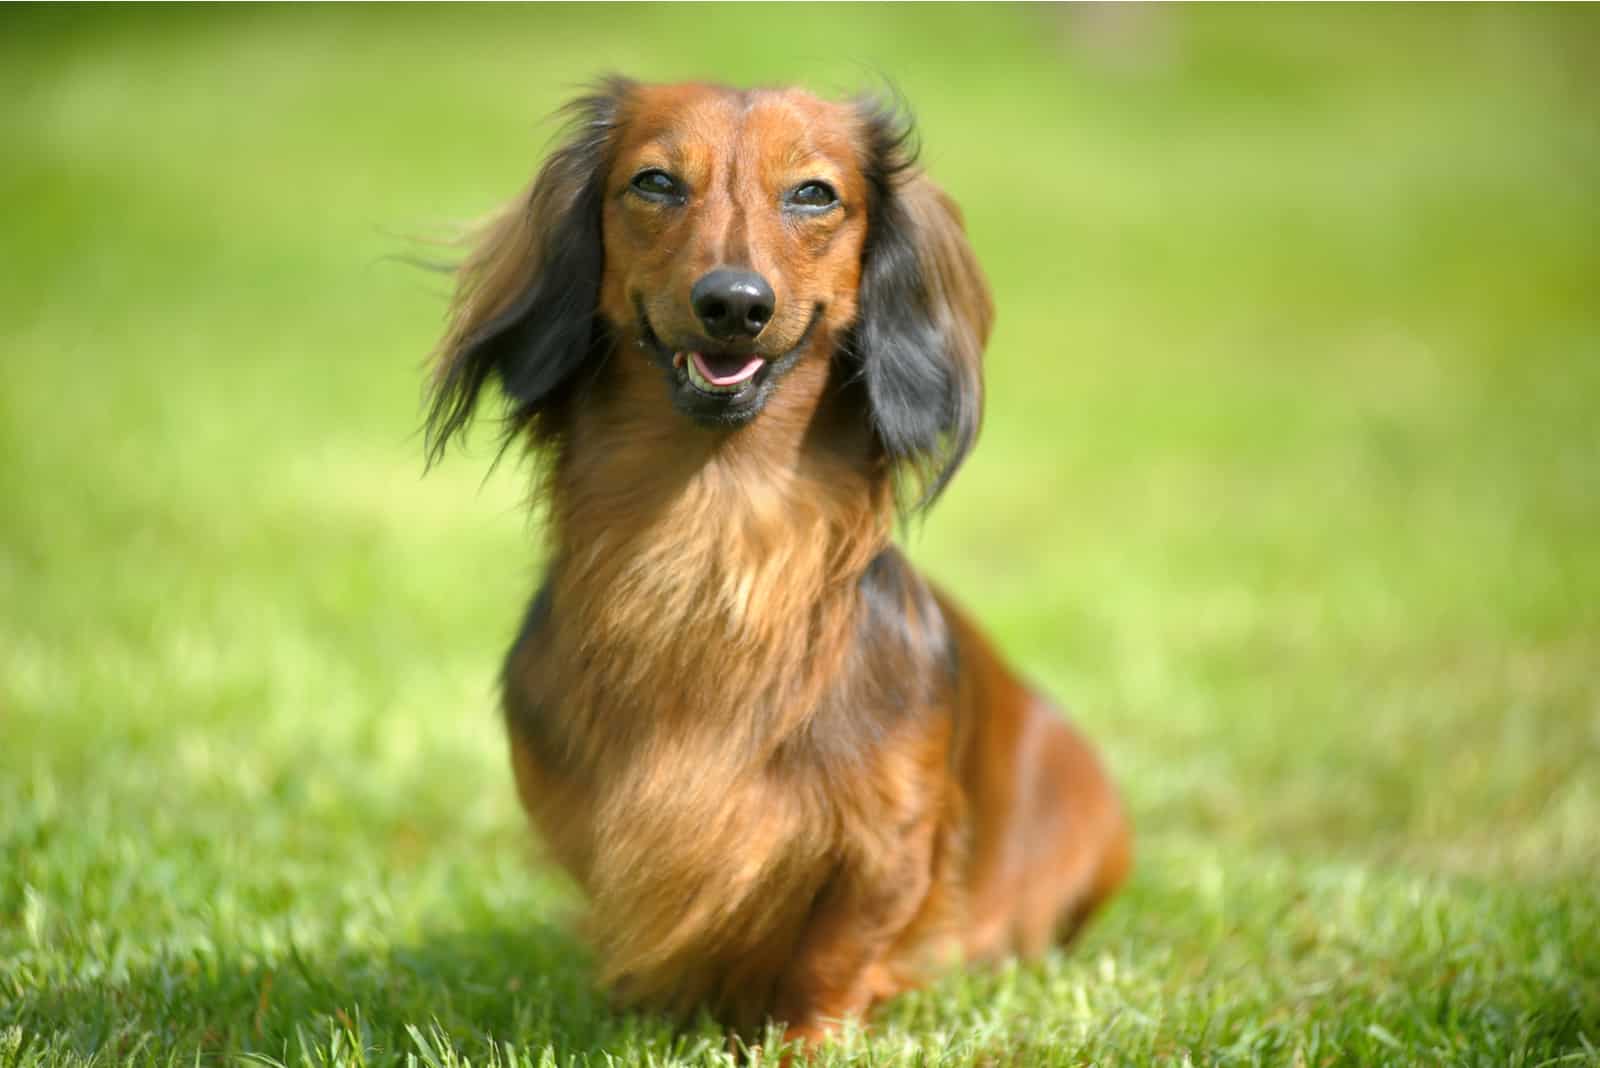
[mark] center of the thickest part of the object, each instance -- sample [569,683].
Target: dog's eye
[656,184]
[812,196]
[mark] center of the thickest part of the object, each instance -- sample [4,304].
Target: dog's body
[789,775]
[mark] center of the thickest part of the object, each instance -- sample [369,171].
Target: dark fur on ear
[925,313]
[525,300]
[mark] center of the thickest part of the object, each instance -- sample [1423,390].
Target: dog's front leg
[842,962]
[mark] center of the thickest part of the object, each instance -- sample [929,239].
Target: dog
[741,333]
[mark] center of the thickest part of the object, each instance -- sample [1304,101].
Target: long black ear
[925,313]
[526,297]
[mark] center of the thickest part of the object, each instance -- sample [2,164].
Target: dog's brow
[807,159]
[662,148]
[815,141]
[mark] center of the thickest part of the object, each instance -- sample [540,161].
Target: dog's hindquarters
[1049,841]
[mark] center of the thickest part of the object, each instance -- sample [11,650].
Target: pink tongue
[728,379]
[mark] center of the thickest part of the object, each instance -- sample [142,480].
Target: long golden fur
[790,777]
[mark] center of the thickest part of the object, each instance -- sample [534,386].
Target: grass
[1290,484]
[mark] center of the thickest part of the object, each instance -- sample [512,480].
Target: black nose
[732,304]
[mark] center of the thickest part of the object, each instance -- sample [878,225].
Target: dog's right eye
[658,185]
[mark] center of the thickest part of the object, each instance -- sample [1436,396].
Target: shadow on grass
[472,992]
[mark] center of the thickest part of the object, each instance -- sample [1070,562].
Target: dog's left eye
[812,196]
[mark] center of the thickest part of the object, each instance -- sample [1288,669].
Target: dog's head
[715,240]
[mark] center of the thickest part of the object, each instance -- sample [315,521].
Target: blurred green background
[1289,486]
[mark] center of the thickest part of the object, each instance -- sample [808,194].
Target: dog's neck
[709,575]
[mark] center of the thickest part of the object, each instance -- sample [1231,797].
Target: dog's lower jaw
[724,409]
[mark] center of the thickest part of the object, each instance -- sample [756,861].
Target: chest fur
[663,686]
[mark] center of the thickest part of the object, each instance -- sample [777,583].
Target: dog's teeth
[699,379]
[704,384]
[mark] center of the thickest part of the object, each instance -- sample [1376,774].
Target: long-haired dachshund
[742,331]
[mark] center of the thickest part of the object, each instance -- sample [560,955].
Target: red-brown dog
[740,327]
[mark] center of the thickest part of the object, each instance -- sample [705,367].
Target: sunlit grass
[1289,486]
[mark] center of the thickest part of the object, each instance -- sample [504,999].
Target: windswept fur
[787,774]
[525,297]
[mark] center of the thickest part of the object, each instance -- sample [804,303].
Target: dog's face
[727,236]
[733,228]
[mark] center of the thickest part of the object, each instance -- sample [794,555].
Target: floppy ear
[526,296]
[924,317]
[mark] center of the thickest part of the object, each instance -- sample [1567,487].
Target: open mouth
[720,387]
[717,374]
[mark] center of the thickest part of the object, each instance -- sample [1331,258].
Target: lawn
[1289,486]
